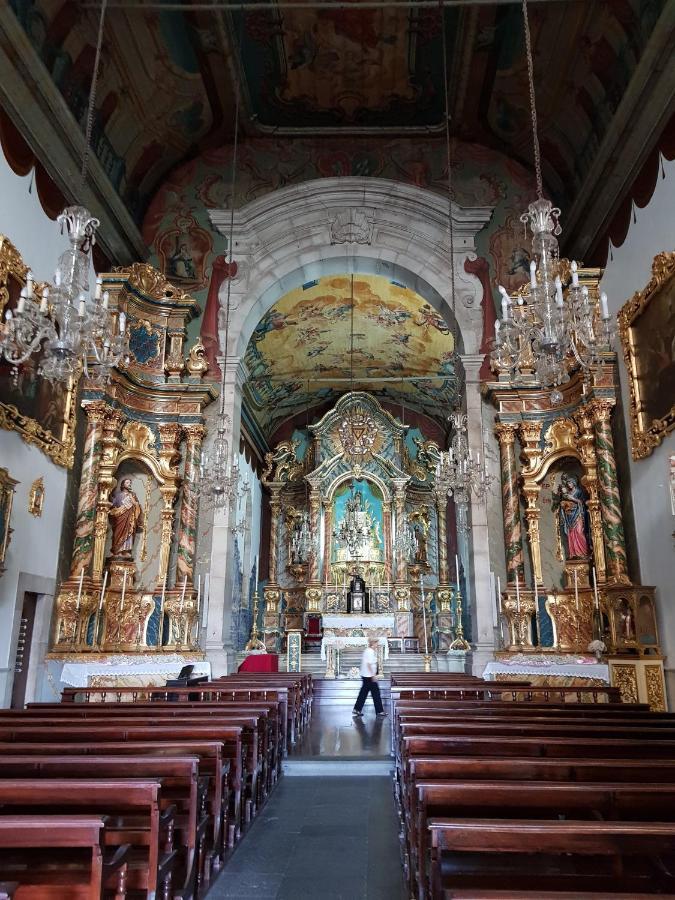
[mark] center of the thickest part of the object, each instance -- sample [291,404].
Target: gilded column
[386,536]
[441,510]
[314,517]
[327,532]
[530,434]
[111,441]
[584,420]
[187,521]
[275,513]
[169,435]
[615,542]
[399,509]
[513,535]
[83,547]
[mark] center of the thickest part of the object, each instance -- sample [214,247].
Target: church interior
[337,350]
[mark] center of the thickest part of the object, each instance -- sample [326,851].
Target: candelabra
[218,477]
[459,473]
[460,642]
[254,642]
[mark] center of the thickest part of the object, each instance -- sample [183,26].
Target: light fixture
[461,473]
[544,331]
[65,325]
[218,473]
[352,532]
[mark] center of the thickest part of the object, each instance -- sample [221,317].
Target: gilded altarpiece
[357,455]
[131,585]
[564,532]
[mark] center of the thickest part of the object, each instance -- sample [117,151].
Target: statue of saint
[126,519]
[569,504]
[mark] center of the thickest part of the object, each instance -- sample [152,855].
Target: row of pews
[507,790]
[140,792]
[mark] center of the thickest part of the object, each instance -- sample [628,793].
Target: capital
[95,411]
[506,432]
[602,409]
[194,433]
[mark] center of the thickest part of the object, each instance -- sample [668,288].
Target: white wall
[33,551]
[628,271]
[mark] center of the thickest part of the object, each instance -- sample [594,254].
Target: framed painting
[7,486]
[42,413]
[647,330]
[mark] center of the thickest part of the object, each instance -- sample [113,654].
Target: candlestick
[595,590]
[424,616]
[79,590]
[105,581]
[124,588]
[182,594]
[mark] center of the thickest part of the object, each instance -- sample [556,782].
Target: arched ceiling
[166,87]
[299,354]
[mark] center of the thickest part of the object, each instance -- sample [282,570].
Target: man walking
[368,683]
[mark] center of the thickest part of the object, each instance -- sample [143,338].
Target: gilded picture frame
[42,414]
[647,331]
[36,497]
[7,485]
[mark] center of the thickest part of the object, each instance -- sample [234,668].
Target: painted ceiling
[299,354]
[166,85]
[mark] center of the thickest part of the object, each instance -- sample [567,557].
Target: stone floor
[333,732]
[319,839]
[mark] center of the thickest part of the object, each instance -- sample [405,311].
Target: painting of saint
[180,265]
[126,519]
[569,505]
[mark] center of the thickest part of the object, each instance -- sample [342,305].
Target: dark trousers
[369,685]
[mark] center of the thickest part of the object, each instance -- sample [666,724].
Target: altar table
[129,671]
[547,669]
[368,622]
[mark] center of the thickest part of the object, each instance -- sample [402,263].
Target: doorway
[23,648]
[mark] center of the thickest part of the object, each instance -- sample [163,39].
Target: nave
[262,785]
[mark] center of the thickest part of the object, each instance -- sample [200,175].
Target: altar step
[343,691]
[350,660]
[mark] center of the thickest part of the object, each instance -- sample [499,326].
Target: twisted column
[111,442]
[275,516]
[586,445]
[83,546]
[441,511]
[608,485]
[189,506]
[399,509]
[513,533]
[169,437]
[314,517]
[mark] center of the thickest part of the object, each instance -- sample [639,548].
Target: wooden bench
[34,850]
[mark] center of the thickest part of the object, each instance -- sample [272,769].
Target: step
[337,767]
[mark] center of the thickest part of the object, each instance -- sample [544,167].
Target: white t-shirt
[369,663]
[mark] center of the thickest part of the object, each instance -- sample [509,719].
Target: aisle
[320,839]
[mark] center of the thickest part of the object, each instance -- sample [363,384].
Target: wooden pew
[33,850]
[135,819]
[571,855]
[181,788]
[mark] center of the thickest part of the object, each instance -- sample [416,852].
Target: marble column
[513,534]
[218,646]
[399,512]
[83,546]
[111,441]
[441,512]
[189,507]
[169,438]
[327,534]
[612,520]
[478,565]
[275,518]
[387,575]
[314,525]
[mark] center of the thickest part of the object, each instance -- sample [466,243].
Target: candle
[499,592]
[182,594]
[457,570]
[604,307]
[576,590]
[517,594]
[199,592]
[595,590]
[424,616]
[124,588]
[495,606]
[79,590]
[256,572]
[105,581]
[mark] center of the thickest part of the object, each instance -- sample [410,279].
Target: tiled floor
[319,839]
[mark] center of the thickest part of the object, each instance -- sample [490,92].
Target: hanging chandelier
[405,541]
[302,544]
[352,532]
[67,327]
[546,331]
[461,474]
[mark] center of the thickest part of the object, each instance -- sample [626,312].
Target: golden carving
[313,599]
[149,281]
[656,695]
[624,676]
[647,433]
[281,464]
[7,485]
[196,364]
[560,435]
[174,364]
[36,498]
[138,438]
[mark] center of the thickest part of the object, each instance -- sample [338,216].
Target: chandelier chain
[533,103]
[91,106]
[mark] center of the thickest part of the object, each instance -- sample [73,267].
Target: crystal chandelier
[66,326]
[405,541]
[460,474]
[302,544]
[544,332]
[352,531]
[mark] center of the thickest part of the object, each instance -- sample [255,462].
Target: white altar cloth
[581,667]
[165,665]
[344,620]
[354,642]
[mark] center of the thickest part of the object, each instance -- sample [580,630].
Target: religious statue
[126,519]
[627,623]
[568,502]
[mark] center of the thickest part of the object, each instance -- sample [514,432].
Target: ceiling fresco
[299,353]
[166,88]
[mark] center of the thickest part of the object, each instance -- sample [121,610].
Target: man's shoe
[382,715]
[355,712]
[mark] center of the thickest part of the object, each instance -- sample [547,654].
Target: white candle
[495,605]
[424,616]
[163,593]
[517,594]
[499,593]
[256,572]
[457,570]
[576,589]
[105,581]
[182,594]
[79,590]
[595,590]
[124,588]
[199,592]
[604,307]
